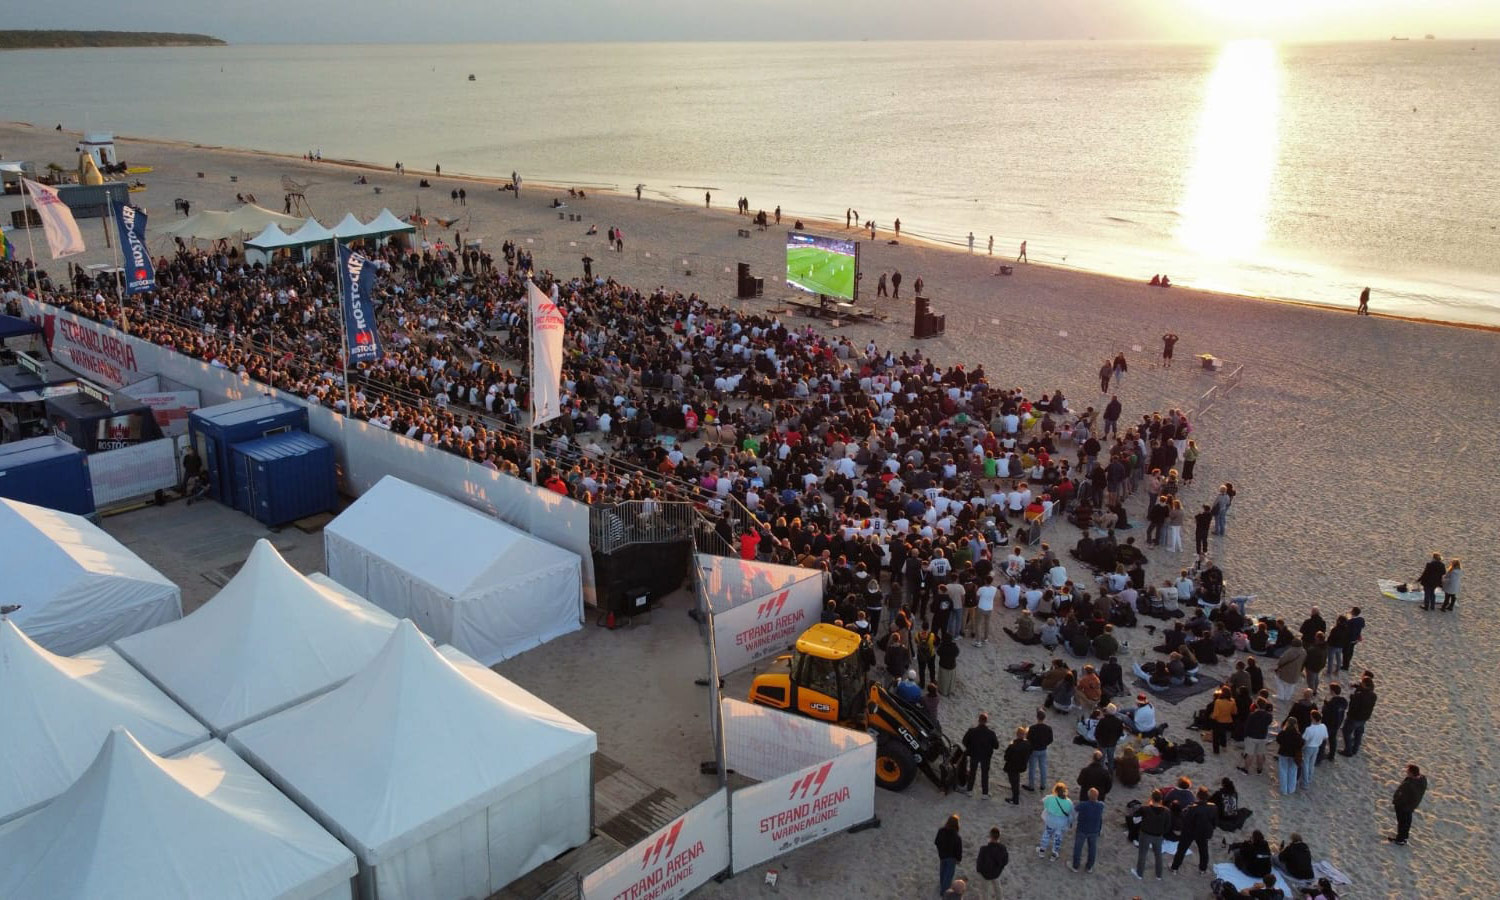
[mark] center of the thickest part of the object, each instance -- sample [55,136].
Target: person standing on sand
[898,229]
[1168,342]
[1090,818]
[707,198]
[896,285]
[992,245]
[971,242]
[950,851]
[1364,303]
[1430,580]
[1451,582]
[778,212]
[872,229]
[638,188]
[1120,368]
[848,217]
[917,286]
[1407,798]
[588,268]
[1106,371]
[1022,256]
[1201,523]
[880,286]
[990,864]
[1017,756]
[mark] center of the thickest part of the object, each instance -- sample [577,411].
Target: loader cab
[827,681]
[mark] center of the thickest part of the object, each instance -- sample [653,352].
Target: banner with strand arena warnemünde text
[670,862]
[768,623]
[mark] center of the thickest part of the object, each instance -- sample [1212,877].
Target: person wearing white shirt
[1017,499]
[1144,718]
[1184,588]
[1033,597]
[1010,594]
[1057,576]
[986,607]
[1313,739]
[1012,423]
[1015,564]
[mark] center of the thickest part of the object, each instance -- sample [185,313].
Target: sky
[447,21]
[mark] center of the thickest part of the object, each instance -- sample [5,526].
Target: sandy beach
[1357,446]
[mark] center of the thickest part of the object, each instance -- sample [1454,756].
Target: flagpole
[531,381]
[338,273]
[30,241]
[120,254]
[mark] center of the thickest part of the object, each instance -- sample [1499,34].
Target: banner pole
[120,255]
[27,204]
[530,384]
[338,273]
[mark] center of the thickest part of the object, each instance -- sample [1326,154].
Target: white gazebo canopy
[387,223]
[56,710]
[137,826]
[269,639]
[271,238]
[311,232]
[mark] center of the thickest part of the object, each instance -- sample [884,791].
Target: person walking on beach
[898,229]
[848,218]
[1168,342]
[1407,798]
[971,242]
[1022,256]
[880,286]
[638,189]
[950,851]
[437,169]
[707,198]
[1106,372]
[990,865]
[896,285]
[1120,368]
[1198,823]
[588,268]
[1222,502]
[992,245]
[1201,523]
[917,286]
[1364,303]
[778,212]
[1431,579]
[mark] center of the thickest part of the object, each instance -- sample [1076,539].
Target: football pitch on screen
[821,271]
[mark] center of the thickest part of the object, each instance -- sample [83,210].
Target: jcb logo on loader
[663,847]
[772,606]
[810,784]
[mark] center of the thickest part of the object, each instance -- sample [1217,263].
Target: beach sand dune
[1357,445]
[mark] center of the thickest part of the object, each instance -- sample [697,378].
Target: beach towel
[1326,869]
[1179,692]
[1388,587]
[1228,872]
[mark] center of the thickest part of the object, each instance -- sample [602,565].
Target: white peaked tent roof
[270,638]
[208,225]
[311,232]
[451,547]
[77,586]
[270,238]
[349,227]
[419,739]
[55,711]
[387,223]
[250,218]
[203,825]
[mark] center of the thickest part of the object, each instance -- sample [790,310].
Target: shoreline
[829,225]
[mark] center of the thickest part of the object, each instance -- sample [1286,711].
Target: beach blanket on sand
[1180,692]
[1325,869]
[1234,876]
[1388,588]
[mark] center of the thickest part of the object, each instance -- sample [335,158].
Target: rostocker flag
[546,356]
[57,220]
[130,221]
[357,284]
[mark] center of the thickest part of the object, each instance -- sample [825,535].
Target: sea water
[1301,171]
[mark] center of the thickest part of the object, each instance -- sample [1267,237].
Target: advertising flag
[130,221]
[357,284]
[57,220]
[546,356]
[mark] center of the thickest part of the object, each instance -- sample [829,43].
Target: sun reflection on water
[1223,212]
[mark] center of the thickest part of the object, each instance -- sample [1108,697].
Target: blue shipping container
[214,430]
[47,471]
[285,477]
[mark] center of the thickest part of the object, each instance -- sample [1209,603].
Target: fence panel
[129,473]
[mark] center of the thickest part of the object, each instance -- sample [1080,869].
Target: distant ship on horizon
[1428,37]
[1394,38]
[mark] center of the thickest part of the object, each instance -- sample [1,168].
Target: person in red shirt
[749,543]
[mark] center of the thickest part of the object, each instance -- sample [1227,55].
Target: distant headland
[49,40]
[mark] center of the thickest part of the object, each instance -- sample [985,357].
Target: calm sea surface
[1293,171]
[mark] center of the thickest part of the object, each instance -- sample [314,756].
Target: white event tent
[202,824]
[56,710]
[447,780]
[465,578]
[214,224]
[271,638]
[77,586]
